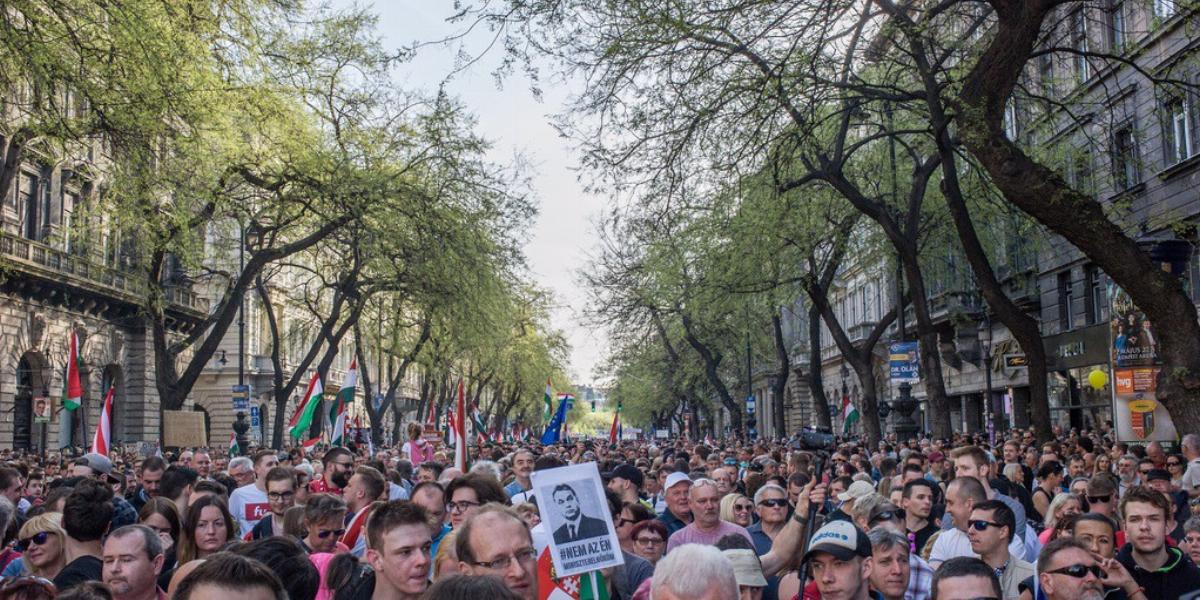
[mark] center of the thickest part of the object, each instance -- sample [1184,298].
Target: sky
[517,124]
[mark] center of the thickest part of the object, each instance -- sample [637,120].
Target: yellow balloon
[1098,379]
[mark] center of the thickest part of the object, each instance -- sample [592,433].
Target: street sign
[904,362]
[241,397]
[1016,360]
[255,417]
[750,403]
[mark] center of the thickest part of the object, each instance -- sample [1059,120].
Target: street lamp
[985,342]
[249,237]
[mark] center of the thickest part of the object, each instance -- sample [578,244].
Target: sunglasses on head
[887,515]
[1099,499]
[774,502]
[1080,571]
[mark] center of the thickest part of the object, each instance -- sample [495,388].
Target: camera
[814,440]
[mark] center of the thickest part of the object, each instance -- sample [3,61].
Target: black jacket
[1174,579]
[587,528]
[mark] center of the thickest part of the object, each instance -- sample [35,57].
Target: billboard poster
[903,362]
[1133,348]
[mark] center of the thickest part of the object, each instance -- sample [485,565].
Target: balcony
[40,270]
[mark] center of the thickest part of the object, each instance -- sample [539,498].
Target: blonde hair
[445,553]
[50,522]
[727,506]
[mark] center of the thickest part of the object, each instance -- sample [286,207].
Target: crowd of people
[1079,517]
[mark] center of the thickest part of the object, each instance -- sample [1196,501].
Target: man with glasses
[495,541]
[771,506]
[990,532]
[1067,570]
[241,469]
[1127,471]
[1164,571]
[281,495]
[324,522]
[339,466]
[248,504]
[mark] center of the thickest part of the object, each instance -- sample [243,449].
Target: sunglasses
[1171,463]
[623,522]
[981,525]
[36,539]
[324,533]
[1080,571]
[774,503]
[1099,499]
[887,515]
[743,507]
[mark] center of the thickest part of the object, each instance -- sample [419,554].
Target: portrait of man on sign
[577,526]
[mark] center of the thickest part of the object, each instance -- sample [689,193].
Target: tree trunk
[816,383]
[712,362]
[781,377]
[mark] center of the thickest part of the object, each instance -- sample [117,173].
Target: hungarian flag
[586,586]
[482,435]
[234,449]
[303,417]
[310,444]
[72,387]
[345,397]
[548,410]
[458,430]
[614,433]
[849,414]
[101,443]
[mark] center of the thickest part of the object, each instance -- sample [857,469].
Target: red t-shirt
[318,486]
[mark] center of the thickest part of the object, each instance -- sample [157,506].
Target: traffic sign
[241,397]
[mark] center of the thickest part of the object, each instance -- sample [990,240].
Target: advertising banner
[904,362]
[1137,414]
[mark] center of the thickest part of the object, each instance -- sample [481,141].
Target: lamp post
[985,341]
[845,372]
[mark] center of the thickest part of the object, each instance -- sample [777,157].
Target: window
[1126,172]
[1177,129]
[1114,15]
[1046,74]
[1079,41]
[1011,129]
[1080,168]
[1066,301]
[1096,299]
[29,202]
[1164,9]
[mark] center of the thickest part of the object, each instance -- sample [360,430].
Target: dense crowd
[1080,517]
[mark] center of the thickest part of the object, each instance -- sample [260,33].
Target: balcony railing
[63,267]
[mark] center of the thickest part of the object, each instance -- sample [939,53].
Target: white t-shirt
[248,505]
[1191,477]
[953,543]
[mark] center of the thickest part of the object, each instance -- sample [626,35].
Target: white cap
[857,490]
[676,478]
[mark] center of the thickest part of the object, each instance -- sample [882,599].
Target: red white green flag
[72,386]
[102,442]
[303,417]
[345,397]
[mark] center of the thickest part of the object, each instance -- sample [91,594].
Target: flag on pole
[101,443]
[584,586]
[303,417]
[614,433]
[548,409]
[344,398]
[458,428]
[554,429]
[72,387]
[849,414]
[234,449]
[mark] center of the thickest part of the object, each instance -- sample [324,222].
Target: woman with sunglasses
[324,523]
[631,514]
[43,538]
[738,509]
[1176,465]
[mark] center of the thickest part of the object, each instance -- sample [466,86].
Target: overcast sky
[517,124]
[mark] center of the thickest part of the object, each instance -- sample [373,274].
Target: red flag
[458,427]
[102,442]
[612,432]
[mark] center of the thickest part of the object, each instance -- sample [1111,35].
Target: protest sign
[575,512]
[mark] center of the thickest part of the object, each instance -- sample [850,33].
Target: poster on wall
[1133,348]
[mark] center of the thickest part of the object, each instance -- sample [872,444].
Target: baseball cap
[747,569]
[676,478]
[98,463]
[1158,475]
[841,539]
[936,456]
[627,472]
[857,490]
